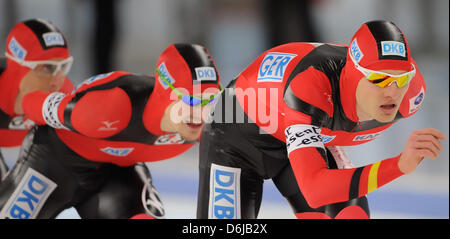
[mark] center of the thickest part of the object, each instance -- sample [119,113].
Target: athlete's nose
[56,81]
[392,90]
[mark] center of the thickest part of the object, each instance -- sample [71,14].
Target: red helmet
[379,45]
[36,40]
[187,66]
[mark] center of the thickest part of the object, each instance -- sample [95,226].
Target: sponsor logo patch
[29,196]
[174,138]
[356,52]
[416,101]
[205,73]
[53,39]
[273,67]
[107,126]
[163,69]
[326,139]
[302,136]
[224,197]
[16,49]
[366,137]
[393,48]
[120,152]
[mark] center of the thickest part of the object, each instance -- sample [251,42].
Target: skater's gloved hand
[422,143]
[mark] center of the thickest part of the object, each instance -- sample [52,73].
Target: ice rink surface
[410,197]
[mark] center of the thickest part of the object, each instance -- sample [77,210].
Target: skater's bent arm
[97,113]
[322,186]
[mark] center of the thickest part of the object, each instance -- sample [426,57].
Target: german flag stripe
[373,177]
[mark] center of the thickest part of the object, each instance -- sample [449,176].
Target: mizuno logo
[108,125]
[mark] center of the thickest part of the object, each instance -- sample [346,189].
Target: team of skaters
[287,117]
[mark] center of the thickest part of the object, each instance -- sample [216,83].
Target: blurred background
[106,35]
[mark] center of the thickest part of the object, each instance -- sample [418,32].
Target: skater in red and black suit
[36,58]
[90,155]
[301,102]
